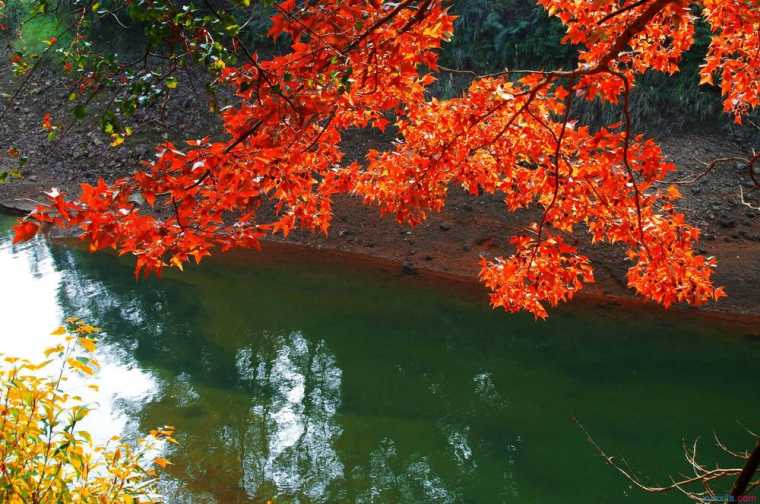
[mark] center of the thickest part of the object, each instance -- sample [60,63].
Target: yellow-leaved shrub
[45,457]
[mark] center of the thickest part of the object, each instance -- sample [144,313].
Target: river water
[302,379]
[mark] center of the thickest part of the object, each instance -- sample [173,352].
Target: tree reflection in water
[257,414]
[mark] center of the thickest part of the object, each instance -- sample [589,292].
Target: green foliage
[34,34]
[491,35]
[32,26]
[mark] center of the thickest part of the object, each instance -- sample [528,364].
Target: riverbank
[444,253]
[450,243]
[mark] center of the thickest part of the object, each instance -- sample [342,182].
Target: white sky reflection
[29,288]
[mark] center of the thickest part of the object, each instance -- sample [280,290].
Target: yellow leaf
[433,31]
[161,461]
[117,140]
[58,332]
[80,366]
[88,344]
[87,329]
[41,365]
[55,349]
[176,262]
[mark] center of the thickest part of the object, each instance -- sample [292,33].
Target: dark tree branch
[749,470]
[621,11]
[703,476]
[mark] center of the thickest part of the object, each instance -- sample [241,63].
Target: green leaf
[80,111]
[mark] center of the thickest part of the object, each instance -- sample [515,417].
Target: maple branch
[709,168]
[474,122]
[321,132]
[252,59]
[199,181]
[377,24]
[621,42]
[250,131]
[621,11]
[176,213]
[631,31]
[626,162]
[557,158]
[306,28]
[421,11]
[722,446]
[531,96]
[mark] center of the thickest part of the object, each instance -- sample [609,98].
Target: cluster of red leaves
[360,63]
[734,53]
[546,271]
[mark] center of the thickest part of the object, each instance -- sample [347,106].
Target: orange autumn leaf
[47,121]
[161,462]
[674,192]
[24,231]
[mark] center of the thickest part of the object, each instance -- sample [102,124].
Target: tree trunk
[741,483]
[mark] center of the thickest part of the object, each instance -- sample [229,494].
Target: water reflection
[29,298]
[258,408]
[413,481]
[309,386]
[289,443]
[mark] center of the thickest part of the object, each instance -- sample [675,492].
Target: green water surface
[307,380]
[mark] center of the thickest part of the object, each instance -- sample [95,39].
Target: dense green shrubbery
[494,34]
[30,30]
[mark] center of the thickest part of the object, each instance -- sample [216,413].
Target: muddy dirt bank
[450,243]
